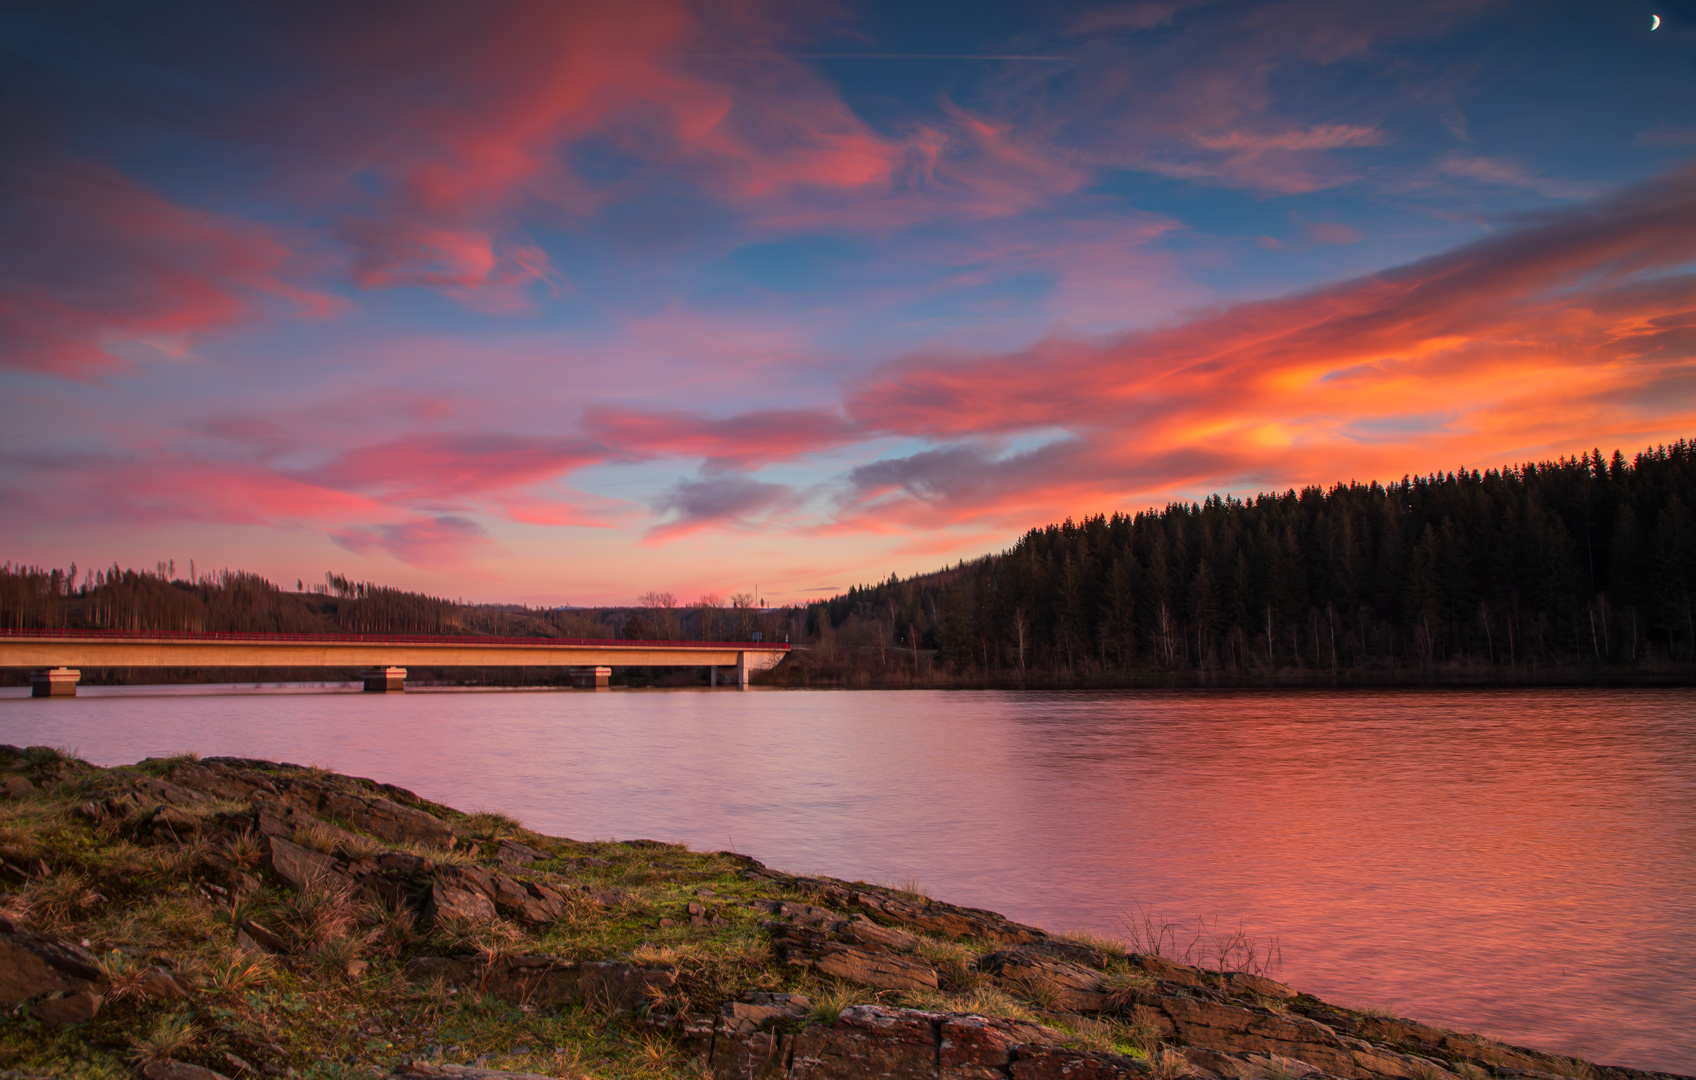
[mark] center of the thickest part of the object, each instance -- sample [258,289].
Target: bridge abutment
[384,680]
[54,682]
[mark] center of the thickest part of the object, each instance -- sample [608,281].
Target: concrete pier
[384,680]
[591,678]
[54,682]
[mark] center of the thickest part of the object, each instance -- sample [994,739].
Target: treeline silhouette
[1574,569]
[235,601]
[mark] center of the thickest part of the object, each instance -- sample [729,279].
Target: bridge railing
[379,639]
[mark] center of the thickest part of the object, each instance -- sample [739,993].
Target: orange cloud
[1578,322]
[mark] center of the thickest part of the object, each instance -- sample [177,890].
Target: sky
[560,303]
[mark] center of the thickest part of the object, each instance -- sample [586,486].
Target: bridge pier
[384,680]
[54,682]
[591,678]
[742,671]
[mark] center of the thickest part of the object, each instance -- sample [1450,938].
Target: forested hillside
[128,599]
[1578,566]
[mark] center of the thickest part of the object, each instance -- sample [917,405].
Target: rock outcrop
[60,981]
[494,912]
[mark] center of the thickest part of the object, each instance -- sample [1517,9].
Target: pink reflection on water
[1522,863]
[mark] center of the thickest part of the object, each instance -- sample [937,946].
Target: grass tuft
[1169,1064]
[170,1035]
[829,1003]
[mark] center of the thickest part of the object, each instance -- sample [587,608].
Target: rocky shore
[190,919]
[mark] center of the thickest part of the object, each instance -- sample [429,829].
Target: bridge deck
[115,648]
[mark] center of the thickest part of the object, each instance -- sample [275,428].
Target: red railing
[375,639]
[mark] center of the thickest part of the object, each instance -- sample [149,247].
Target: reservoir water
[1521,863]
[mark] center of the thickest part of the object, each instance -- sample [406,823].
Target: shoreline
[277,900]
[340,682]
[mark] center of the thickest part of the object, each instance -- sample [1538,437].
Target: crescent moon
[1654,22]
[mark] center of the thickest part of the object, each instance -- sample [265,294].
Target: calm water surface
[1519,863]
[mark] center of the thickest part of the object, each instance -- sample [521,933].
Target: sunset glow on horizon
[563,303]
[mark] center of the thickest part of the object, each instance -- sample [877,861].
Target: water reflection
[1518,862]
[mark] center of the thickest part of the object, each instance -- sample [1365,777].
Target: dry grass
[829,1003]
[124,973]
[1168,1064]
[334,840]
[439,856]
[169,862]
[1110,946]
[656,1054]
[489,826]
[1122,980]
[489,940]
[321,914]
[55,903]
[955,963]
[1107,1036]
[244,849]
[170,1036]
[983,1001]
[235,972]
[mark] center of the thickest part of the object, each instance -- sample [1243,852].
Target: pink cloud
[428,467]
[481,119]
[741,441]
[96,269]
[166,487]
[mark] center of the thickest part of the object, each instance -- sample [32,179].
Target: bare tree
[659,606]
[711,609]
[742,604]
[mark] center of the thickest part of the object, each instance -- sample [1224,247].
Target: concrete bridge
[55,657]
